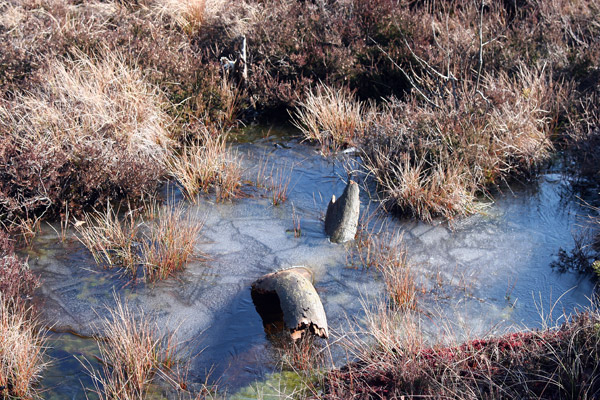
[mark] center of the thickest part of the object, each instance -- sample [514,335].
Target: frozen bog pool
[488,272]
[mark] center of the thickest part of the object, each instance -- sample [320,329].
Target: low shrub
[550,364]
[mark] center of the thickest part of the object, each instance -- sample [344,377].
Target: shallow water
[487,272]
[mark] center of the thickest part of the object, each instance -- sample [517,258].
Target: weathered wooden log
[288,300]
[341,219]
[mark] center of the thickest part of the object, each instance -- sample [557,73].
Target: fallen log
[288,300]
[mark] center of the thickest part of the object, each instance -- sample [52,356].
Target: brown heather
[457,59]
[554,363]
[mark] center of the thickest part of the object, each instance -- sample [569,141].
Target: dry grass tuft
[159,245]
[17,282]
[94,130]
[21,351]
[111,239]
[133,352]
[385,252]
[280,185]
[331,117]
[392,262]
[192,15]
[170,242]
[22,339]
[208,163]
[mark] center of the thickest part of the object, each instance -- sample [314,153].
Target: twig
[410,80]
[480,46]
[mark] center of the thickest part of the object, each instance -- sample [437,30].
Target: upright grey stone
[341,219]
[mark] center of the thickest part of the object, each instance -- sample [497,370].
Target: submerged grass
[158,239]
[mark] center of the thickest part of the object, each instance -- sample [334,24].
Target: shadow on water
[65,378]
[484,273]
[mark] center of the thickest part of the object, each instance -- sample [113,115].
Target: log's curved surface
[288,300]
[341,220]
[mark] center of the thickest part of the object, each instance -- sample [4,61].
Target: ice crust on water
[478,271]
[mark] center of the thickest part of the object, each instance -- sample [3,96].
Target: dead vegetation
[101,100]
[385,252]
[22,350]
[553,363]
[93,130]
[331,117]
[157,240]
[134,354]
[477,92]
[22,339]
[208,163]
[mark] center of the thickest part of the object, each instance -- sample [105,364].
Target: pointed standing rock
[288,300]
[341,220]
